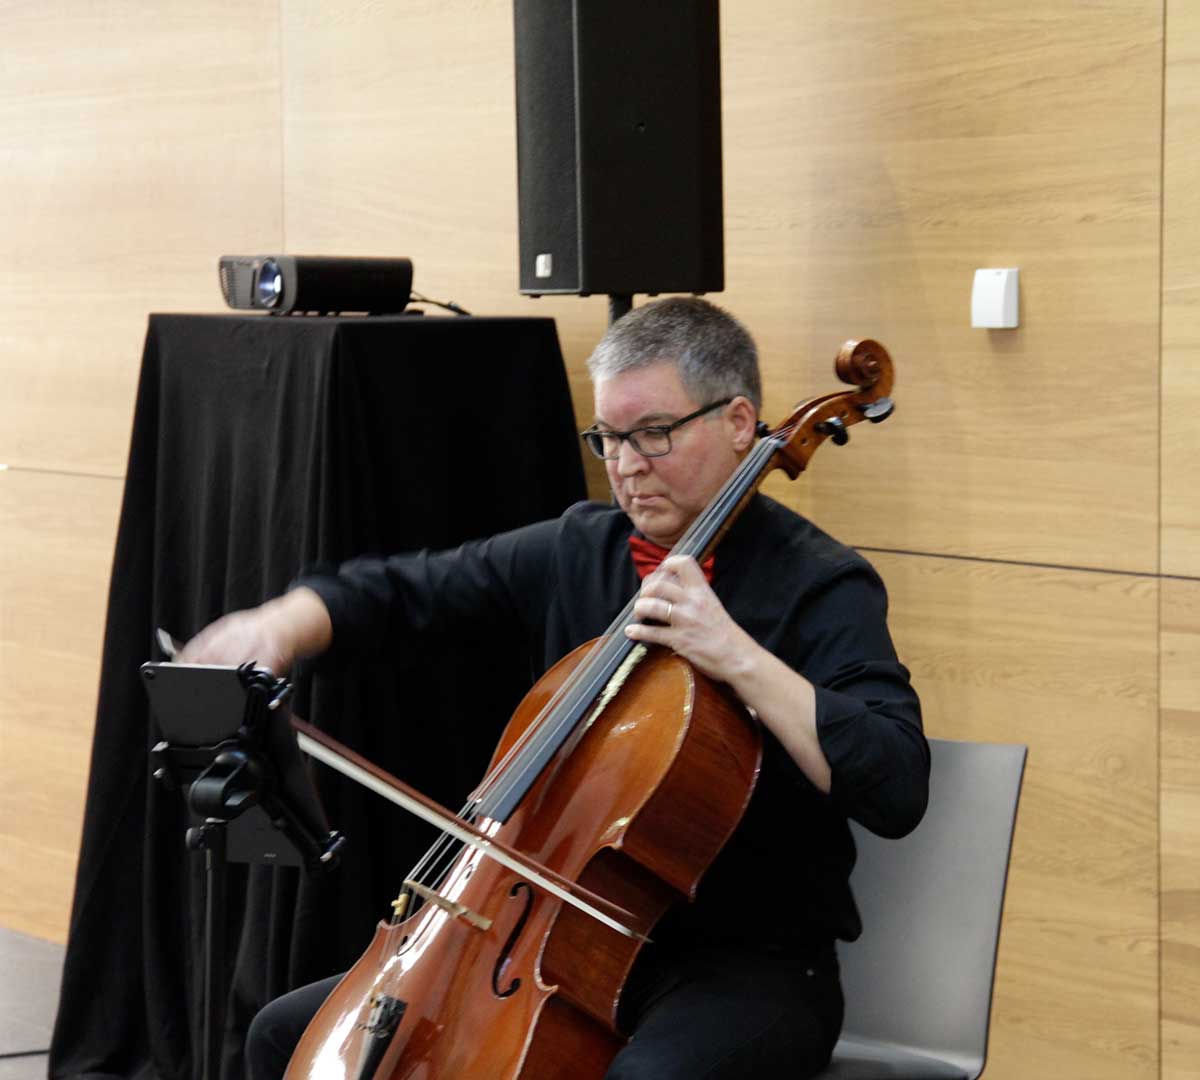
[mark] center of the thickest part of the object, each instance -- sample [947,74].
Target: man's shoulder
[579,517]
[591,544]
[596,516]
[801,539]
[587,527]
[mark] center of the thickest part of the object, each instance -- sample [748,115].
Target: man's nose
[629,461]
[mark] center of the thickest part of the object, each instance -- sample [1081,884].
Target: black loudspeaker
[282,284]
[619,146]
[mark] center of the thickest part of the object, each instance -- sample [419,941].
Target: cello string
[437,852]
[593,658]
[600,657]
[438,860]
[475,804]
[581,687]
[423,870]
[588,682]
[522,754]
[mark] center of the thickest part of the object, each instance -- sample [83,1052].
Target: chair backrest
[921,974]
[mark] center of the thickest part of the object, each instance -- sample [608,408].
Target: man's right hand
[273,635]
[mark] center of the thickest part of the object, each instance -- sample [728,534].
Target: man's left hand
[686,616]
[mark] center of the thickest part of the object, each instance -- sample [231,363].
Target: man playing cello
[791,620]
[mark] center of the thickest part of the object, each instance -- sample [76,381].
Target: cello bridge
[452,907]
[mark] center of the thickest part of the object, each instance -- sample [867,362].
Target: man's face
[664,495]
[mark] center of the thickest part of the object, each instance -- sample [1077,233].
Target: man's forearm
[273,635]
[787,704]
[302,615]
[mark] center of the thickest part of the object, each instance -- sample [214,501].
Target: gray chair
[919,981]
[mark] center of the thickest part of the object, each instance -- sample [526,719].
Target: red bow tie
[647,555]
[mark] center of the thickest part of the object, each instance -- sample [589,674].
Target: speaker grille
[619,146]
[546,136]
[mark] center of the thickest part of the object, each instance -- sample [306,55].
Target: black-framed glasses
[651,441]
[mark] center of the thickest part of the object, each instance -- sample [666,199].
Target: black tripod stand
[231,747]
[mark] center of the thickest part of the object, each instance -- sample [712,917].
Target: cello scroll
[865,365]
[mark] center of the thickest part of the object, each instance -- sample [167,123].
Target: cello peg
[878,411]
[835,428]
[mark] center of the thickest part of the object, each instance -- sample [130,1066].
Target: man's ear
[742,414]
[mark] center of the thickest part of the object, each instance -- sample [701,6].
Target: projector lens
[270,284]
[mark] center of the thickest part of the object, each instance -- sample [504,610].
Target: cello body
[634,807]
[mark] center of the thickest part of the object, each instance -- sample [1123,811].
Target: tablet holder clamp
[223,781]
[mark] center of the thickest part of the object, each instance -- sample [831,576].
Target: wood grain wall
[1179,661]
[1032,505]
[139,142]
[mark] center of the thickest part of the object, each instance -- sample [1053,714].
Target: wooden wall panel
[1066,663]
[1180,530]
[1181,295]
[875,156]
[142,142]
[58,534]
[1180,834]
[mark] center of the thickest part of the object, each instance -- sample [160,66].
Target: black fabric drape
[260,446]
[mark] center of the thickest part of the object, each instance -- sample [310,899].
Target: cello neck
[867,367]
[703,535]
[503,790]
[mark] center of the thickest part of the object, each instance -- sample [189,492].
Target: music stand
[231,749]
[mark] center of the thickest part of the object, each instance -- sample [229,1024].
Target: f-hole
[506,952]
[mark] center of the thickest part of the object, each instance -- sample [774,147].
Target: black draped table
[261,446]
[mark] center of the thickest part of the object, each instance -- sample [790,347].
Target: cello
[618,780]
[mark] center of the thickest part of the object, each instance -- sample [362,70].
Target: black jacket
[811,601]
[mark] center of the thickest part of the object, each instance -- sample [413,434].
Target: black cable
[449,305]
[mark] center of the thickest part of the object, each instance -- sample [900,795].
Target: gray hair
[714,353]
